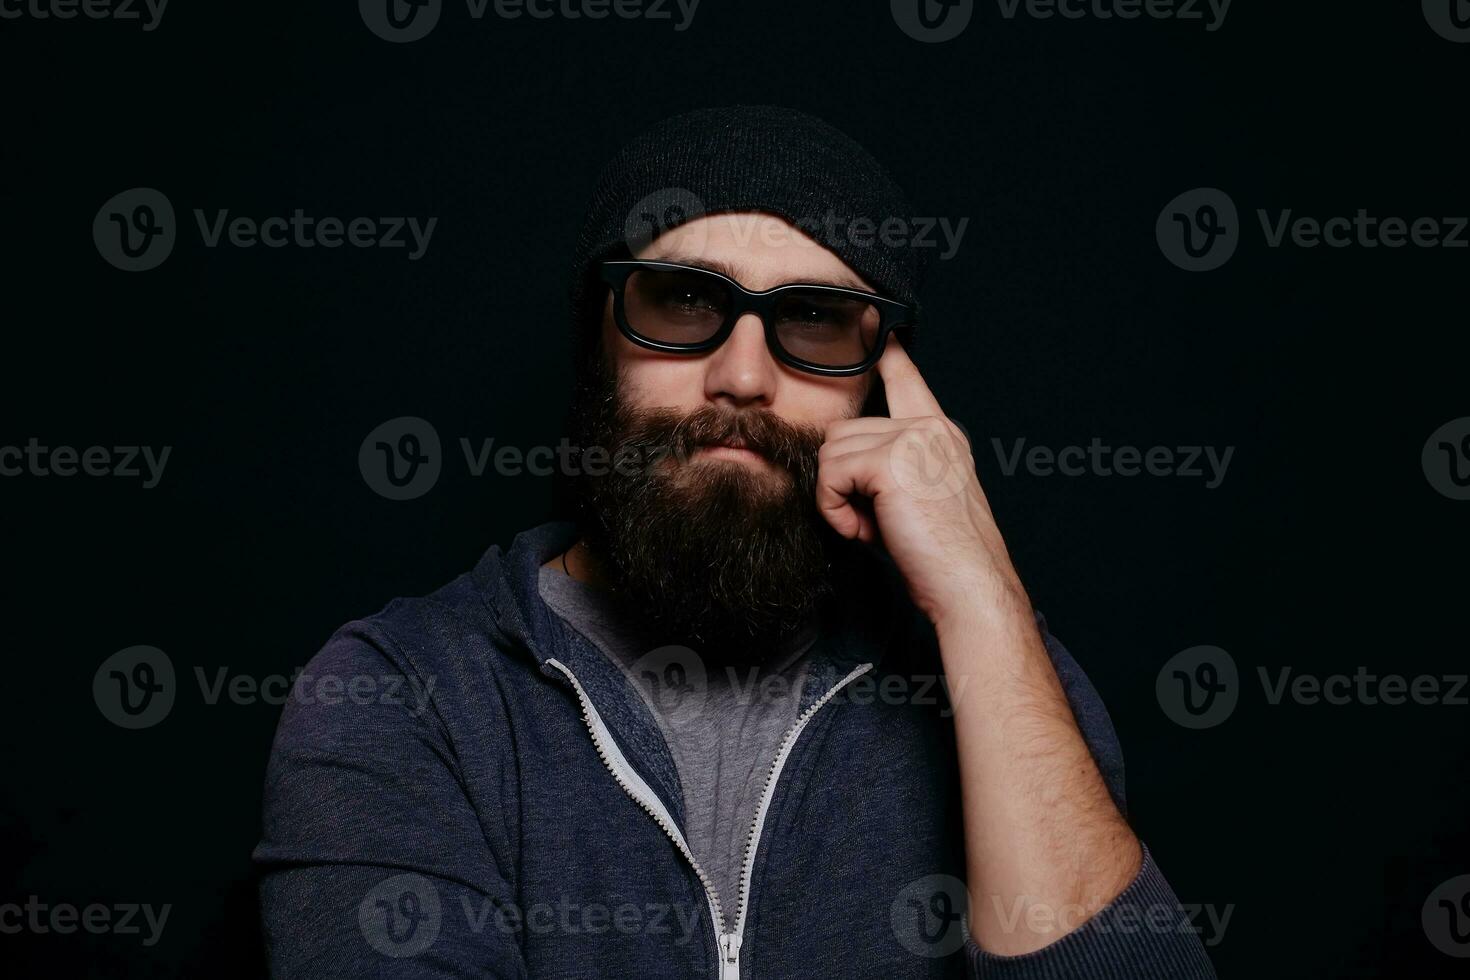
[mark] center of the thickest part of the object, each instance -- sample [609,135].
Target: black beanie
[747,158]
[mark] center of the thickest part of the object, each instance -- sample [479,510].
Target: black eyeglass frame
[891,314]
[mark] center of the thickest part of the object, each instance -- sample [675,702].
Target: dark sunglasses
[683,309]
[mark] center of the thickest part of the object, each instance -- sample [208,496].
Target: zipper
[747,871]
[641,793]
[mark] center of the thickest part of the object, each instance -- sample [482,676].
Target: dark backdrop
[1326,548]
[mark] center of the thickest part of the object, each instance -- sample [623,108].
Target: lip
[730,449]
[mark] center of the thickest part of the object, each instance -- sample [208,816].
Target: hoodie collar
[857,626]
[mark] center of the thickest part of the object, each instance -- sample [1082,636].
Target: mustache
[790,445]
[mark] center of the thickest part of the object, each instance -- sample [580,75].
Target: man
[695,732]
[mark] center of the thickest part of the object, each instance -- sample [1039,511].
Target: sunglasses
[681,309]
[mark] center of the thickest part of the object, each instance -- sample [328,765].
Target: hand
[923,501]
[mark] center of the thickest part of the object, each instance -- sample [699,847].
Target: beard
[718,554]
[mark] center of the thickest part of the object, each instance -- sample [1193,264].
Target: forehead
[759,251]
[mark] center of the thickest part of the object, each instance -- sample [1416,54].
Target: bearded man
[775,702]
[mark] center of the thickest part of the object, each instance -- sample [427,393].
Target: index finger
[908,396]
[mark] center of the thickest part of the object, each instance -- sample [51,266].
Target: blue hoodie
[463,786]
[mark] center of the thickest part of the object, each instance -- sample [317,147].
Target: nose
[741,371]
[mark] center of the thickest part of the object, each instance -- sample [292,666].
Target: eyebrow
[731,271]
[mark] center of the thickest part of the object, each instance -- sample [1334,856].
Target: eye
[690,298]
[687,294]
[813,313]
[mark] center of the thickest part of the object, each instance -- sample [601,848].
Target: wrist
[989,605]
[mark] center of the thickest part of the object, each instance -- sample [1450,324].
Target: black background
[1059,319]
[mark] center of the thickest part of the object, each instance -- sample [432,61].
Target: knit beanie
[747,158]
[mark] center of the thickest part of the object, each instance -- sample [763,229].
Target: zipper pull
[730,957]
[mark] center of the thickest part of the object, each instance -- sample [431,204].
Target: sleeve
[1144,933]
[373,863]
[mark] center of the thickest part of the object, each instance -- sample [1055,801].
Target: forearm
[1045,845]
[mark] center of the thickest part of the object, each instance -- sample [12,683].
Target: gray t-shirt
[724,725]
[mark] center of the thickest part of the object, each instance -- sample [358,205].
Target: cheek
[821,400]
[649,379]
